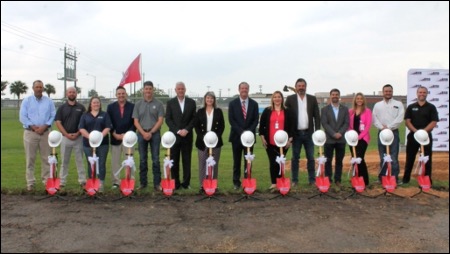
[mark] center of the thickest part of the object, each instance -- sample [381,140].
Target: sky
[352,46]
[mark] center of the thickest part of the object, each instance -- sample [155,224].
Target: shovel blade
[283,185]
[389,183]
[323,183]
[127,186]
[424,182]
[52,186]
[358,183]
[168,185]
[92,186]
[209,186]
[249,185]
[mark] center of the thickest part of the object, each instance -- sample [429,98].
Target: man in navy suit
[335,121]
[121,114]
[243,115]
[307,114]
[180,116]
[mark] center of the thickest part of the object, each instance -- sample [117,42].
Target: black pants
[412,147]
[272,152]
[183,148]
[239,152]
[360,149]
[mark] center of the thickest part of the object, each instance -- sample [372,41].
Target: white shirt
[181,104]
[388,113]
[302,113]
[209,120]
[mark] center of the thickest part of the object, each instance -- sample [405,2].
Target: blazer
[177,120]
[237,122]
[332,126]
[312,108]
[365,119]
[290,126]
[120,124]
[200,125]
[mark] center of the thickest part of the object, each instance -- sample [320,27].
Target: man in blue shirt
[36,115]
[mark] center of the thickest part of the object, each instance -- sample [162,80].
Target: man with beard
[388,114]
[67,120]
[307,114]
[335,120]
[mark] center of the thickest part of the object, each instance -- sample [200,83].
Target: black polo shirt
[421,116]
[70,115]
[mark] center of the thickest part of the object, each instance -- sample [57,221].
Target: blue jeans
[154,143]
[102,153]
[393,151]
[303,138]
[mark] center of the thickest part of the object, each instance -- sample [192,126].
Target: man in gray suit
[335,121]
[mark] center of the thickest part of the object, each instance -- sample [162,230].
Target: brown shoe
[338,184]
[30,188]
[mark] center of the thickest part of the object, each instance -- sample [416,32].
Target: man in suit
[180,116]
[121,114]
[335,121]
[243,115]
[306,111]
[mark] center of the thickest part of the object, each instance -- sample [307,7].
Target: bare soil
[388,223]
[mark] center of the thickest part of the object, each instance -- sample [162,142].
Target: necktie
[244,111]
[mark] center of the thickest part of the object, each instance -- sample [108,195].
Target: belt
[305,130]
[147,130]
[29,129]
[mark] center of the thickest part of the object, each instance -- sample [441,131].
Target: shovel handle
[168,152]
[129,151]
[53,151]
[422,152]
[387,150]
[248,152]
[320,151]
[210,151]
[281,151]
[354,151]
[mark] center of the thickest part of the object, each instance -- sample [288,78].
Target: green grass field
[13,161]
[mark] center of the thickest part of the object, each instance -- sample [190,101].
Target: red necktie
[244,111]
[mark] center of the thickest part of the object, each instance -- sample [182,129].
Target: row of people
[299,116]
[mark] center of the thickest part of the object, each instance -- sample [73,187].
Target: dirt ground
[387,223]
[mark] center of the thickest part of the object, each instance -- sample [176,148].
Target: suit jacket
[200,124]
[365,119]
[237,122]
[312,108]
[177,120]
[289,123]
[332,126]
[121,124]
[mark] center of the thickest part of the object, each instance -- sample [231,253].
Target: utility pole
[70,68]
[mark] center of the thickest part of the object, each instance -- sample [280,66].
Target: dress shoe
[236,187]
[157,188]
[338,184]
[142,187]
[30,188]
[294,185]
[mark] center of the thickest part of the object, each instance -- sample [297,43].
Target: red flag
[133,72]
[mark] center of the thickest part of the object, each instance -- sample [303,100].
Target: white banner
[436,80]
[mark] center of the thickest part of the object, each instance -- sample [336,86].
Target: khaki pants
[67,145]
[116,160]
[32,143]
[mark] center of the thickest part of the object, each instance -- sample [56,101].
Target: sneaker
[273,186]
[30,188]
[294,185]
[115,186]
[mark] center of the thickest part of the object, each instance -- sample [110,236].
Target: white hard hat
[247,138]
[386,137]
[319,138]
[281,137]
[129,139]
[351,137]
[210,139]
[54,138]
[95,138]
[168,139]
[422,137]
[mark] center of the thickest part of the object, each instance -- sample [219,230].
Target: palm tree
[18,88]
[4,85]
[49,89]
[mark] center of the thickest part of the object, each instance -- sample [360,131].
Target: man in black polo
[67,120]
[419,115]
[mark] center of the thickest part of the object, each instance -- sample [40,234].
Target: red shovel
[168,185]
[249,183]
[322,181]
[357,181]
[422,179]
[93,184]
[127,184]
[283,183]
[53,183]
[210,184]
[388,181]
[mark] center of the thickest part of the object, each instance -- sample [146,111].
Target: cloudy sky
[357,46]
